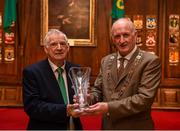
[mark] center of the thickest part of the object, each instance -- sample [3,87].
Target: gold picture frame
[76,20]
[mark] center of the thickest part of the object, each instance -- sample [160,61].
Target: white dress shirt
[127,57]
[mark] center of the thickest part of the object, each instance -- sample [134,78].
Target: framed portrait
[76,18]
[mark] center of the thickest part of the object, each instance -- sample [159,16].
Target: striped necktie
[121,67]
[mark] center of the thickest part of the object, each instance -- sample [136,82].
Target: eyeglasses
[55,44]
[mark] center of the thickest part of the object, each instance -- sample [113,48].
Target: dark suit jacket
[130,95]
[42,98]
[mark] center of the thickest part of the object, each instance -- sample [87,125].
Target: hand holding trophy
[80,83]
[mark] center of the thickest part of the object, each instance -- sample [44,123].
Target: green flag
[118,9]
[9,14]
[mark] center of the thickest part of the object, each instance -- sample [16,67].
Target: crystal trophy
[80,82]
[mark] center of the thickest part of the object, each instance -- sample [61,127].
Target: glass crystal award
[80,82]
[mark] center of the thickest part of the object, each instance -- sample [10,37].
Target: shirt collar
[55,67]
[128,57]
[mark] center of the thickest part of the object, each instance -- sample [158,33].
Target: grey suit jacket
[130,95]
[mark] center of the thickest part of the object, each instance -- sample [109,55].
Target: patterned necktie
[121,67]
[62,85]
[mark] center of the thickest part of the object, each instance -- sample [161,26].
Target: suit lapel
[128,66]
[112,69]
[52,82]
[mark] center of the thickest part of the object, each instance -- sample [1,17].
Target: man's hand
[96,109]
[72,110]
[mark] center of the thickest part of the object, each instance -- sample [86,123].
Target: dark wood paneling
[29,31]
[10,95]
[133,7]
[8,70]
[170,98]
[172,73]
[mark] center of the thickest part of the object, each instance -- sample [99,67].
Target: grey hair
[129,22]
[53,32]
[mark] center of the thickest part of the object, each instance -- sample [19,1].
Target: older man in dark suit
[44,101]
[127,82]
